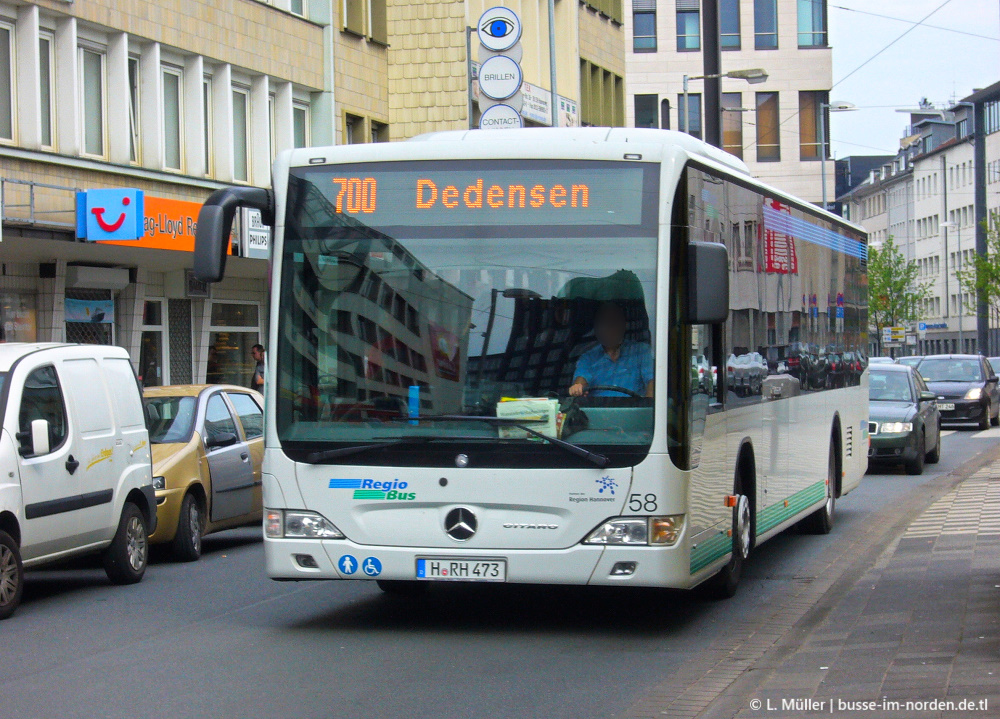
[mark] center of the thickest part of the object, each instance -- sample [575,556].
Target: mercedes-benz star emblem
[460,524]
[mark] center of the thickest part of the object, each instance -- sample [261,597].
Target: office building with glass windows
[773,126]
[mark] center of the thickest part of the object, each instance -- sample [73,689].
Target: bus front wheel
[723,585]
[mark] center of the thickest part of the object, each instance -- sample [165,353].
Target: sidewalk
[920,626]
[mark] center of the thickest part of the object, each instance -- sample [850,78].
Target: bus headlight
[293,524]
[620,531]
[662,531]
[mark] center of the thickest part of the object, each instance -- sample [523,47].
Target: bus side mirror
[708,283]
[215,224]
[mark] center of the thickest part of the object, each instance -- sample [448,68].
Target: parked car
[702,375]
[208,446]
[911,361]
[965,386]
[881,360]
[904,420]
[75,458]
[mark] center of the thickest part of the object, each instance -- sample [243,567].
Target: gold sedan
[208,446]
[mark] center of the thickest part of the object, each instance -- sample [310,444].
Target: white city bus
[434,300]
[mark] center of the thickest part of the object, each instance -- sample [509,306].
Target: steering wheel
[614,388]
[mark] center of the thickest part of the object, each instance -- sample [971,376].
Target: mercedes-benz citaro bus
[559,356]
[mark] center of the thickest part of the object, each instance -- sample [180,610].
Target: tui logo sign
[117,214]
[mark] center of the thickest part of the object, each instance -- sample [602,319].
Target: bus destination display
[597,194]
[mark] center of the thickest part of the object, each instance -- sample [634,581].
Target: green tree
[983,274]
[894,294]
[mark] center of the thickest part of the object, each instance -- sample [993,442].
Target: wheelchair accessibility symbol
[372,567]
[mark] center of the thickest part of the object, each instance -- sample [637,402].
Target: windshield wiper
[576,450]
[314,457]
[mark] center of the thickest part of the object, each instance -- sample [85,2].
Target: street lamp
[754,76]
[836,106]
[949,225]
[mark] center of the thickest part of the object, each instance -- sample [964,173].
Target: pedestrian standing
[257,380]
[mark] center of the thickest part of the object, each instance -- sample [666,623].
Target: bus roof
[691,145]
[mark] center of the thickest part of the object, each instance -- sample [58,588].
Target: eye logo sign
[116,214]
[499,29]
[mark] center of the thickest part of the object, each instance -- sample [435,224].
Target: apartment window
[693,114]
[729,24]
[380,132]
[812,23]
[297,7]
[768,146]
[353,129]
[206,100]
[353,16]
[241,154]
[765,24]
[688,26]
[270,127]
[732,123]
[300,125]
[645,111]
[172,118]
[644,25]
[811,114]
[6,83]
[664,114]
[45,65]
[379,24]
[92,84]
[133,108]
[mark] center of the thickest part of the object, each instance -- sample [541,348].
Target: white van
[75,470]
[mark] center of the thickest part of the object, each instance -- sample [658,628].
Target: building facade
[178,98]
[924,199]
[774,126]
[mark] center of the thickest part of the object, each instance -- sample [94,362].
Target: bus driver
[614,361]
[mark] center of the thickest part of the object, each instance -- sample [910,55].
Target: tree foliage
[894,294]
[983,275]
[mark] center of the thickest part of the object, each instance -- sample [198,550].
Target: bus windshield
[437,289]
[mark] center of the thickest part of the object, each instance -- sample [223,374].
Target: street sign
[255,236]
[499,29]
[922,329]
[894,334]
[500,117]
[500,76]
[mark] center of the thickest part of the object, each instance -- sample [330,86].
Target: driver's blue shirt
[632,370]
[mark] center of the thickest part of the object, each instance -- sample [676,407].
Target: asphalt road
[218,639]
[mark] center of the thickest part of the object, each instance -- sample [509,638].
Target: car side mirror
[220,439]
[927,396]
[35,441]
[708,283]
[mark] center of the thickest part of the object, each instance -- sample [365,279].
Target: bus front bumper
[308,559]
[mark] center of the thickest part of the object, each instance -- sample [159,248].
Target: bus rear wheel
[821,521]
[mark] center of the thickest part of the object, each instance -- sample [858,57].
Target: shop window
[152,354]
[17,318]
[90,317]
[233,332]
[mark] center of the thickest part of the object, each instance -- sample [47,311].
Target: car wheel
[821,521]
[984,422]
[126,559]
[11,575]
[934,456]
[916,465]
[190,527]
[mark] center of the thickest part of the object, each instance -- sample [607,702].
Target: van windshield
[170,419]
